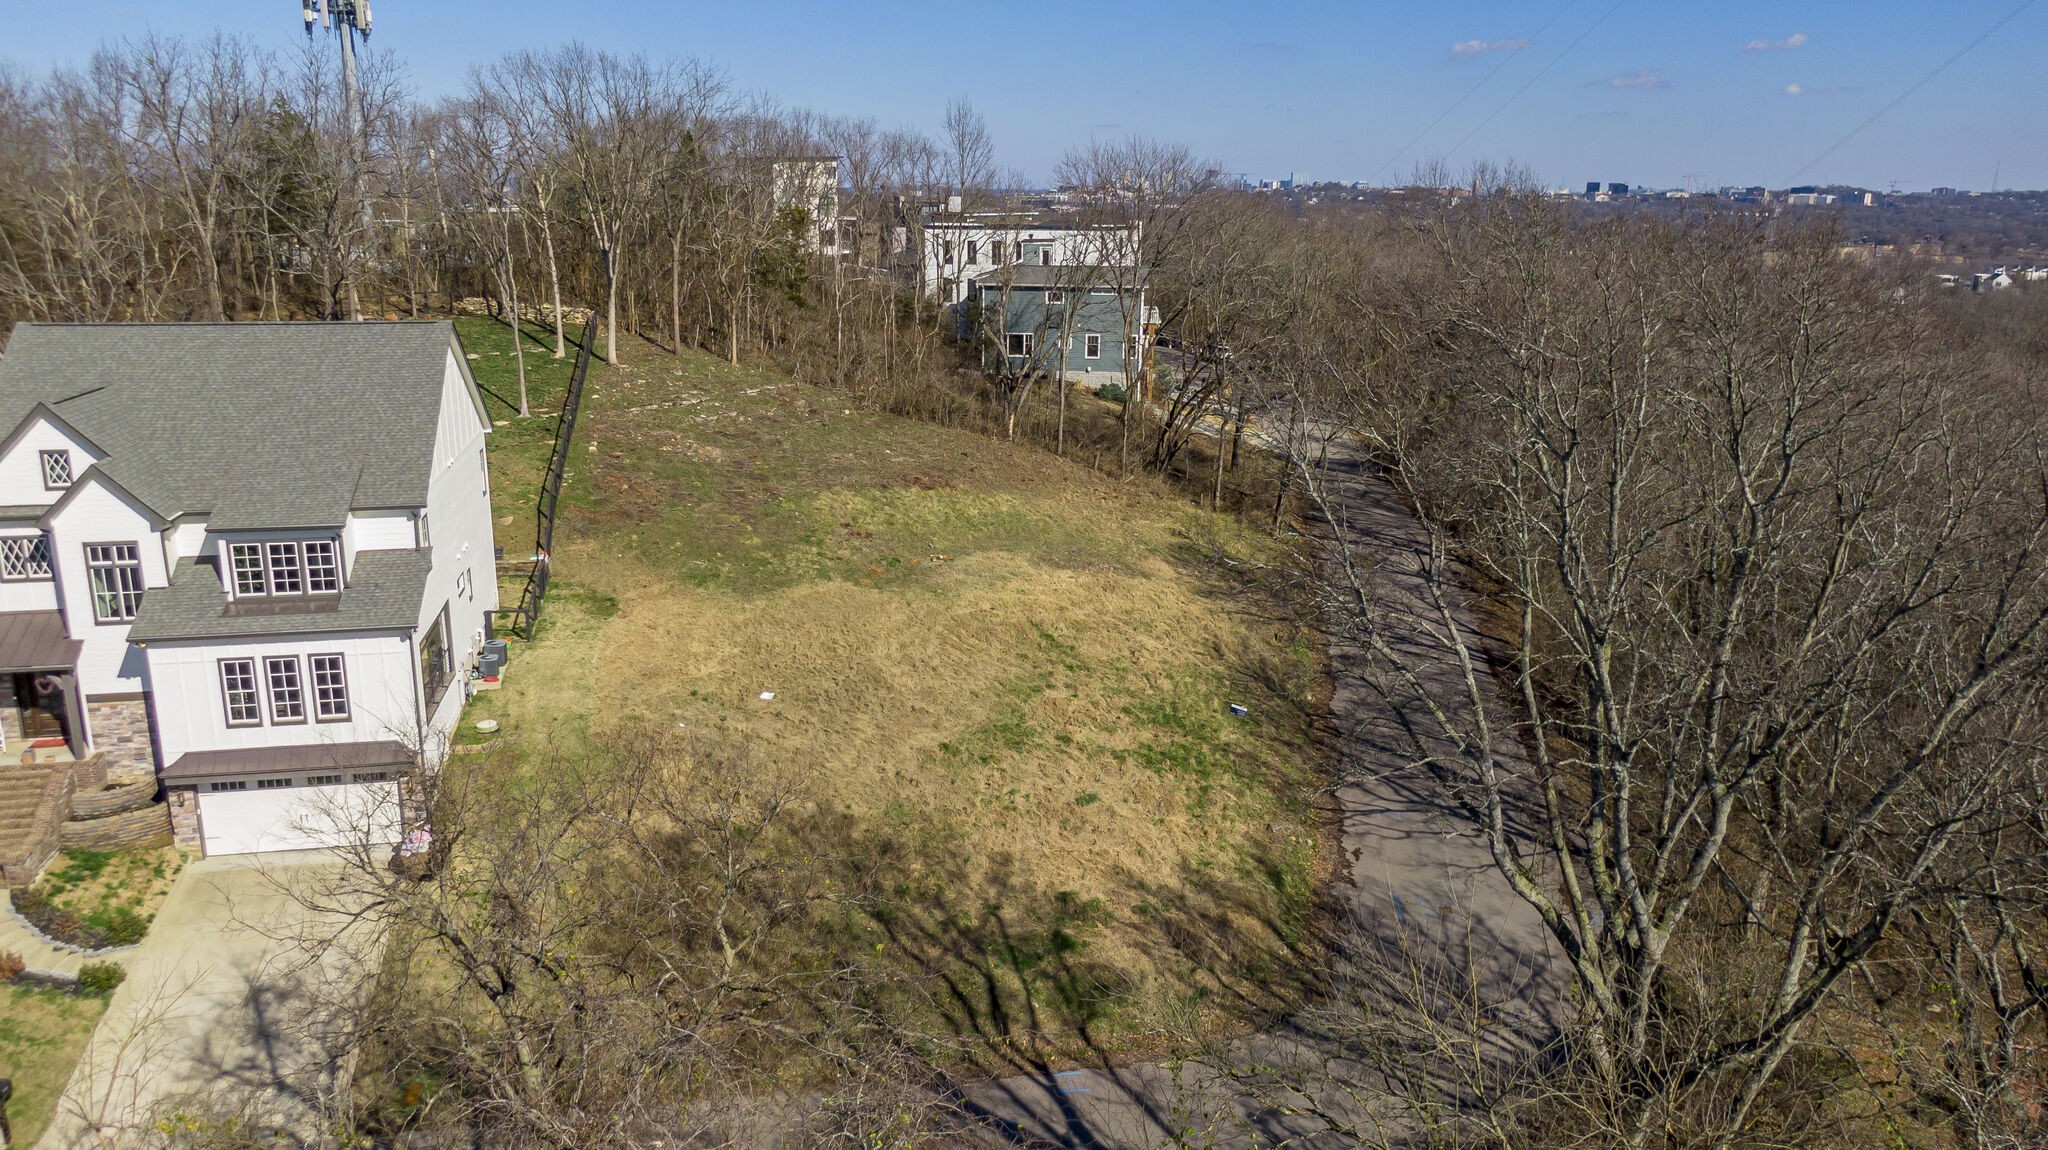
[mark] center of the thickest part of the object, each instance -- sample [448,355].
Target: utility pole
[350,18]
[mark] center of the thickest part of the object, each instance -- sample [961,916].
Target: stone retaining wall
[149,826]
[100,801]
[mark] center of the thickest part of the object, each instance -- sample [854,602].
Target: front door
[41,700]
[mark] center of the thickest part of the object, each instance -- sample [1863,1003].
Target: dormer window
[56,469]
[285,567]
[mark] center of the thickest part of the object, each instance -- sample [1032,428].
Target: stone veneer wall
[120,735]
[184,804]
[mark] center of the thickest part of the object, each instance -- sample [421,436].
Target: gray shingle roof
[255,425]
[383,593]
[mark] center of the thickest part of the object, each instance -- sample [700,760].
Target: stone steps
[21,796]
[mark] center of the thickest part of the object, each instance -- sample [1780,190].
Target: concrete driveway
[223,1012]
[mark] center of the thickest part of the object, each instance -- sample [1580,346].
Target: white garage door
[297,818]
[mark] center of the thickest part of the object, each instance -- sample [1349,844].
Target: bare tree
[970,152]
[1731,609]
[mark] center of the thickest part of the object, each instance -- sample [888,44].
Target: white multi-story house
[962,248]
[254,560]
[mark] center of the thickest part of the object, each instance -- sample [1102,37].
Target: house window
[115,570]
[330,688]
[272,784]
[24,558]
[434,662]
[323,567]
[369,776]
[287,690]
[285,569]
[1055,298]
[1091,346]
[1019,257]
[56,469]
[229,785]
[1020,343]
[426,540]
[238,692]
[288,567]
[973,250]
[949,251]
[465,586]
[322,780]
[247,561]
[1045,257]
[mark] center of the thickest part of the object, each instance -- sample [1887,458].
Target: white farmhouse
[254,560]
[962,248]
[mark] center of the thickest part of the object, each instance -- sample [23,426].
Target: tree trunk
[611,296]
[547,239]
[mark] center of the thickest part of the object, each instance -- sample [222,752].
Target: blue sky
[1649,91]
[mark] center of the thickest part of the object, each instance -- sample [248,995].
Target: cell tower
[350,18]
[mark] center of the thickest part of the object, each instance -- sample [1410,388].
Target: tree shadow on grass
[1018,983]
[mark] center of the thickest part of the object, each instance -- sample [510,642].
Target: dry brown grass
[971,645]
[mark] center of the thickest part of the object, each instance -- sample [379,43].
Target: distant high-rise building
[1617,189]
[1592,188]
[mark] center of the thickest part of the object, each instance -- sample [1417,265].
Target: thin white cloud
[1795,40]
[1482,47]
[1805,90]
[1641,80]
[1793,89]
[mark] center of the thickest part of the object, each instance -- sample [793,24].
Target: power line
[1470,92]
[1901,97]
[1538,76]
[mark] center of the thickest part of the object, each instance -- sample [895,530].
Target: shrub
[11,965]
[1113,392]
[119,925]
[100,977]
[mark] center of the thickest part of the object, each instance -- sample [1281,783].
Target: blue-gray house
[1054,318]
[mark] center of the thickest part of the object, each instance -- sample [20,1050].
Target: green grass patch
[42,1035]
[102,898]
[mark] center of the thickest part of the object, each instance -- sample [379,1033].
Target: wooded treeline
[1755,538]
[178,180]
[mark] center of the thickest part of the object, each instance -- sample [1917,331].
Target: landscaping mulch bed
[100,899]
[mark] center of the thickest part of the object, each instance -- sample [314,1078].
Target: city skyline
[1737,94]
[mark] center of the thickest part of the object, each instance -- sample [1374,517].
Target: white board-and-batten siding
[95,512]
[192,710]
[21,463]
[459,526]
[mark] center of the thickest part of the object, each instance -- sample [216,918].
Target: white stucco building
[962,248]
[254,560]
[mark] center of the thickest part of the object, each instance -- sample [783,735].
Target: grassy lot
[115,892]
[42,1034]
[982,650]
